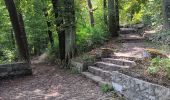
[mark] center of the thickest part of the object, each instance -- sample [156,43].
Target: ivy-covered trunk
[19,30]
[112,18]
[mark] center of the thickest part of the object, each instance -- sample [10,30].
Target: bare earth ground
[50,83]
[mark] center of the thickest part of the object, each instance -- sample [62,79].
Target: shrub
[105,88]
[160,65]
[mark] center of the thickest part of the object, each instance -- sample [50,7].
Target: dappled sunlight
[47,84]
[131,50]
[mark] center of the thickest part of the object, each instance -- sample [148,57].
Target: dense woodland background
[55,26]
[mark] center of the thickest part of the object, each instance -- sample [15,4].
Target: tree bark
[166,13]
[12,38]
[60,30]
[70,30]
[18,26]
[105,12]
[112,18]
[24,38]
[117,14]
[90,9]
[65,21]
[50,33]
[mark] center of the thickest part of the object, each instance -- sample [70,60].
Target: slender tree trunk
[60,30]
[90,9]
[18,26]
[112,18]
[12,38]
[105,12]
[24,38]
[117,14]
[50,34]
[166,13]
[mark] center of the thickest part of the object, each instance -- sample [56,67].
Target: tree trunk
[70,30]
[117,14]
[166,13]
[12,38]
[105,12]
[66,29]
[24,38]
[90,9]
[50,34]
[18,26]
[61,32]
[112,18]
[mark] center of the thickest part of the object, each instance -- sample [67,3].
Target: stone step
[96,79]
[127,30]
[106,75]
[131,58]
[110,66]
[124,40]
[122,62]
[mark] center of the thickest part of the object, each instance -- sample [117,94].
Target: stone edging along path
[135,89]
[14,70]
[132,88]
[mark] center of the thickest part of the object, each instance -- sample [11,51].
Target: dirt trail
[133,45]
[51,83]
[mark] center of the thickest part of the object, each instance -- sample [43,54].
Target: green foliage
[136,11]
[152,13]
[164,33]
[53,52]
[87,37]
[131,11]
[7,56]
[74,70]
[105,88]
[160,64]
[90,37]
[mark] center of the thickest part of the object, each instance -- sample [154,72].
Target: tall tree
[23,38]
[90,9]
[18,26]
[65,21]
[166,13]
[112,18]
[58,10]
[117,14]
[50,33]
[105,12]
[69,18]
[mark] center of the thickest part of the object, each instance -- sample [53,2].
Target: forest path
[133,45]
[51,83]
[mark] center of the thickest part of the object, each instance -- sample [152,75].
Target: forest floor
[51,83]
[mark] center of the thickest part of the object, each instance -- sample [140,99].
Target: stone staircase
[101,72]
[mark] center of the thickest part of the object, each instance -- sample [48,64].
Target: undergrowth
[159,65]
[106,88]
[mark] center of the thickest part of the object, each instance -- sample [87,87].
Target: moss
[155,53]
